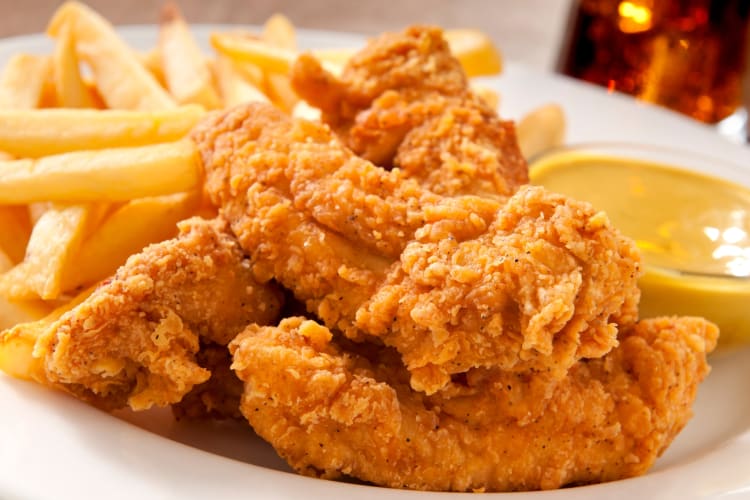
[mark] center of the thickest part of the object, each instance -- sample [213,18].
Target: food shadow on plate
[231,439]
[228,438]
[719,415]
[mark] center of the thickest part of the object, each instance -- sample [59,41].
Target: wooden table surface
[526,31]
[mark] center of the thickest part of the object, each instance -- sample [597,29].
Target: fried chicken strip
[404,101]
[134,340]
[329,412]
[451,283]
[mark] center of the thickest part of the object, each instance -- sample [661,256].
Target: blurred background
[527,31]
[687,55]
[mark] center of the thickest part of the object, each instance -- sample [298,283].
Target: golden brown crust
[417,59]
[329,411]
[539,289]
[134,340]
[452,283]
[404,101]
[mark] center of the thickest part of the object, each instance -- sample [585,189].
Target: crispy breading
[417,60]
[404,101]
[331,412]
[451,282]
[134,340]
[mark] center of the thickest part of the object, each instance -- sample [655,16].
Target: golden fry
[17,345]
[23,80]
[151,60]
[104,175]
[244,49]
[5,262]
[17,342]
[13,313]
[473,48]
[36,210]
[490,95]
[281,92]
[71,91]
[121,79]
[541,129]
[278,31]
[476,52]
[54,239]
[35,133]
[94,92]
[249,72]
[15,229]
[234,88]
[186,73]
[334,60]
[125,232]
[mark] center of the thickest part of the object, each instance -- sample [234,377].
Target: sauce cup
[688,213]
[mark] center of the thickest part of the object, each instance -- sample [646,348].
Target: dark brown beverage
[688,55]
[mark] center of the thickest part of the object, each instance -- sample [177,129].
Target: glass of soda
[687,55]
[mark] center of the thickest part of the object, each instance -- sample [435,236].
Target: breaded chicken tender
[404,101]
[331,412]
[134,340]
[453,283]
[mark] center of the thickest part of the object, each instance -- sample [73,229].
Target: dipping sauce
[693,231]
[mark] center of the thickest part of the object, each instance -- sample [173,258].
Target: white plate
[54,447]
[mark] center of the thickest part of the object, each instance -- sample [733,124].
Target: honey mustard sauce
[692,229]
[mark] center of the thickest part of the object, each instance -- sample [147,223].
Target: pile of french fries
[94,159]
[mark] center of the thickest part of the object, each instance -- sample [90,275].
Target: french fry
[490,95]
[121,79]
[541,129]
[249,72]
[278,31]
[23,80]
[104,175]
[49,92]
[185,70]
[281,92]
[17,344]
[70,90]
[15,230]
[35,133]
[95,95]
[18,341]
[475,51]
[36,210]
[5,262]
[244,49]
[151,60]
[335,59]
[234,88]
[125,232]
[14,312]
[53,241]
